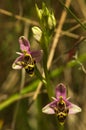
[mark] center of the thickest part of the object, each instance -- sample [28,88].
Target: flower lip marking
[29,64]
[61,110]
[30,70]
[61,106]
[61,117]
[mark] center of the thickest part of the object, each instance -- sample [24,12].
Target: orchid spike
[61,106]
[27,58]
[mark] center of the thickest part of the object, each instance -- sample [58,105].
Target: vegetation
[58,29]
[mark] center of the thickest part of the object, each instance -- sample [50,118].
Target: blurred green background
[18,115]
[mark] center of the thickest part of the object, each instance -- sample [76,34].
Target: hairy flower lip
[61,93]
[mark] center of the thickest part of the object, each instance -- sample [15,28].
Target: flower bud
[37,33]
[51,21]
[46,17]
[39,12]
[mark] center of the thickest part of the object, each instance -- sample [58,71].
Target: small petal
[17,64]
[37,55]
[51,21]
[60,91]
[19,53]
[24,44]
[73,109]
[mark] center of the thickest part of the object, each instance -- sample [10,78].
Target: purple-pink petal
[16,64]
[37,55]
[61,91]
[48,109]
[24,44]
[61,98]
[73,109]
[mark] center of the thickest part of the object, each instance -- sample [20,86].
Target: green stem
[39,75]
[61,127]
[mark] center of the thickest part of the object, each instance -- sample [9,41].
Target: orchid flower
[27,58]
[61,106]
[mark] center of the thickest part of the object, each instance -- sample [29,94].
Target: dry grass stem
[18,17]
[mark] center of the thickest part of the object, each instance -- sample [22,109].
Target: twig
[26,20]
[57,34]
[76,44]
[71,20]
[80,63]
[22,77]
[75,17]
[80,40]
[69,34]
[76,26]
